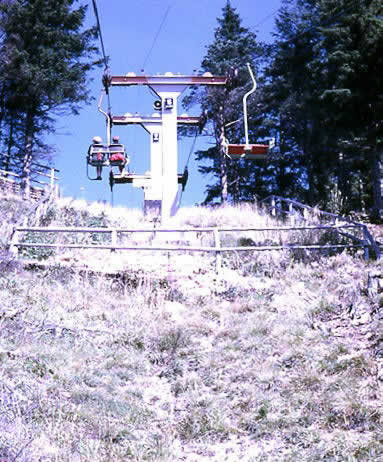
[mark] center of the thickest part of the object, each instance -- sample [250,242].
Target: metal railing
[39,179]
[114,240]
[298,212]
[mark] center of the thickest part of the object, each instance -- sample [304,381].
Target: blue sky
[129,28]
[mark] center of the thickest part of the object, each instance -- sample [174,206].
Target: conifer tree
[46,56]
[293,95]
[326,88]
[233,47]
[353,40]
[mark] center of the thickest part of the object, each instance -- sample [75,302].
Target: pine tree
[233,47]
[46,56]
[325,93]
[353,39]
[296,81]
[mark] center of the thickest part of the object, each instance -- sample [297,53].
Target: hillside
[277,359]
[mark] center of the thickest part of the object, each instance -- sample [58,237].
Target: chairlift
[98,157]
[106,155]
[247,150]
[117,156]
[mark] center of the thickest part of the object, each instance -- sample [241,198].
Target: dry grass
[241,215]
[271,362]
[98,215]
[247,367]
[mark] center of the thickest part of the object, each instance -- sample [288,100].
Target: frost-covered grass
[244,368]
[240,215]
[271,361]
[12,209]
[197,216]
[82,213]
[78,213]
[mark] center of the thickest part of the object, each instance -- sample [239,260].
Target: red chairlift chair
[247,150]
[109,155]
[117,155]
[97,157]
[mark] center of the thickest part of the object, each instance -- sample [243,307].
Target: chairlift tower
[161,184]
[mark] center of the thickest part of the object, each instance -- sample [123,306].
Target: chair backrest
[114,148]
[251,151]
[97,148]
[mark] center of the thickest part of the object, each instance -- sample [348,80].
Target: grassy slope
[271,364]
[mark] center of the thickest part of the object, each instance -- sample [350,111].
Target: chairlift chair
[247,150]
[98,157]
[117,156]
[109,155]
[112,155]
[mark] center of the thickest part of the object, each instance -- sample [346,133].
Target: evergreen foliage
[320,92]
[234,46]
[46,55]
[325,92]
[354,93]
[294,102]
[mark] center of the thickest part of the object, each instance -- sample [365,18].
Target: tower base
[152,208]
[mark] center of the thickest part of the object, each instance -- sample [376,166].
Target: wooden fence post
[114,238]
[218,256]
[27,191]
[273,207]
[14,250]
[291,214]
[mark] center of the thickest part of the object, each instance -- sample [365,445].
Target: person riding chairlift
[118,156]
[97,148]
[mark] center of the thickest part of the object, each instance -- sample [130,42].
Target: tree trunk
[310,178]
[376,177]
[9,149]
[222,159]
[235,182]
[343,183]
[309,164]
[28,153]
[280,179]
[237,187]
[362,194]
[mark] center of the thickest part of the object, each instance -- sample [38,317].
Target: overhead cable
[105,57]
[266,18]
[100,33]
[156,36]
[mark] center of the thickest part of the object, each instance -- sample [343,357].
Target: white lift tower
[161,184]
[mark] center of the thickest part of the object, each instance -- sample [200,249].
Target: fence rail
[280,206]
[64,229]
[39,178]
[20,241]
